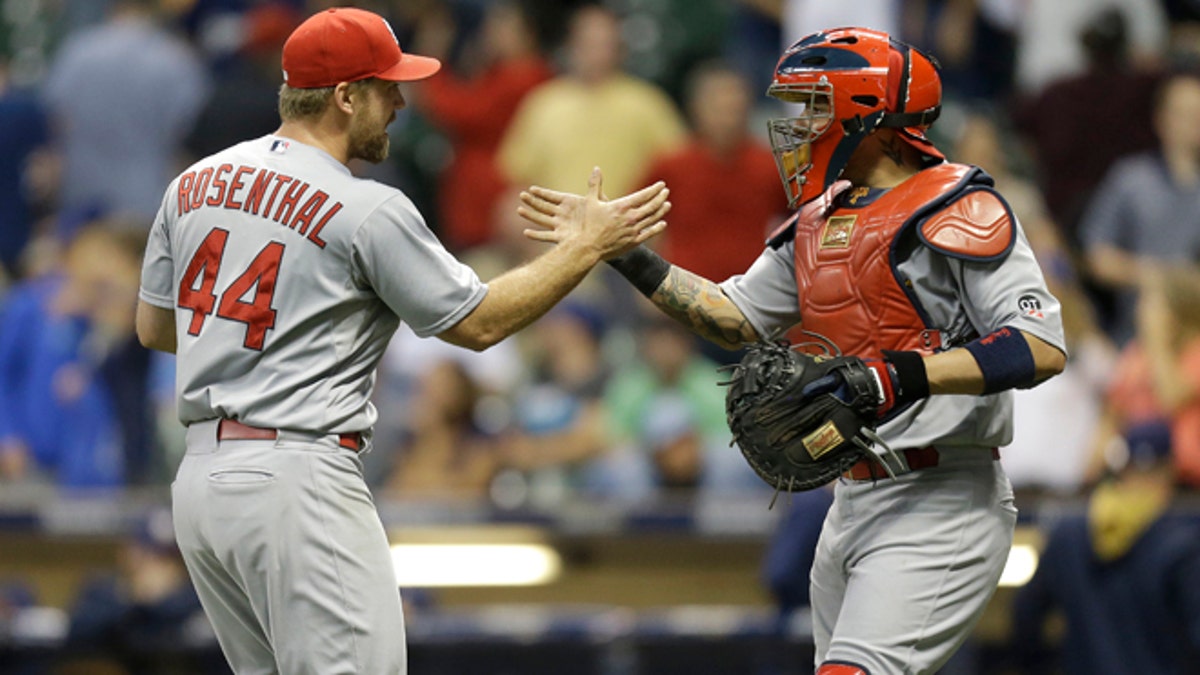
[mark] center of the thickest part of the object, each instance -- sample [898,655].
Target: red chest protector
[850,289]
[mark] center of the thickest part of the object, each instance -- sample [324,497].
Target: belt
[233,430]
[916,458]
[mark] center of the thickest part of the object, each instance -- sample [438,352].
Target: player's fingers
[543,235]
[537,203]
[650,232]
[595,183]
[536,217]
[643,211]
[635,199]
[652,218]
[552,196]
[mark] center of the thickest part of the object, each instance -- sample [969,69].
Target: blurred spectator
[724,185]
[1126,576]
[668,404]
[24,134]
[447,453]
[1061,413]
[245,97]
[123,95]
[975,42]
[1112,94]
[473,106]
[752,44]
[558,438]
[1158,376]
[666,39]
[804,17]
[593,115]
[146,618]
[74,381]
[1048,48]
[494,373]
[1147,211]
[16,597]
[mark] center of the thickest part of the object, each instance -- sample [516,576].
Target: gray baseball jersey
[288,276]
[905,567]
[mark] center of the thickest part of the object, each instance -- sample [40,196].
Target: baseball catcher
[802,419]
[919,267]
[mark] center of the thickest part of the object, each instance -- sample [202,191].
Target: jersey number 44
[196,289]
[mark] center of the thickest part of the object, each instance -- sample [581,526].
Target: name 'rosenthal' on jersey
[234,189]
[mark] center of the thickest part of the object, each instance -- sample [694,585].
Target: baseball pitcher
[277,277]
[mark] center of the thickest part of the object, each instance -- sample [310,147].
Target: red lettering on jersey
[995,335]
[287,205]
[200,188]
[185,186]
[280,181]
[307,212]
[218,182]
[257,190]
[236,184]
[316,231]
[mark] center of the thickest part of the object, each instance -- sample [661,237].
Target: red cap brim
[411,67]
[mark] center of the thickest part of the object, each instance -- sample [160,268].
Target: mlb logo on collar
[279,147]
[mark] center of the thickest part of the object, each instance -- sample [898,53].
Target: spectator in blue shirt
[74,404]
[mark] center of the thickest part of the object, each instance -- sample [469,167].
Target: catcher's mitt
[799,419]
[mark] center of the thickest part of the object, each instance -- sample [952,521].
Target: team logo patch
[1030,306]
[821,441]
[857,194]
[837,232]
[280,147]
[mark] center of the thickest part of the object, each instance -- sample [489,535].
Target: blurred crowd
[1086,112]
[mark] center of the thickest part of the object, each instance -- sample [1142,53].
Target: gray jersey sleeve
[396,255]
[158,268]
[1008,292]
[766,293]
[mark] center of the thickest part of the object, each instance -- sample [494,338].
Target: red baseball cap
[345,44]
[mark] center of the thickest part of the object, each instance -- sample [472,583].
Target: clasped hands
[611,227]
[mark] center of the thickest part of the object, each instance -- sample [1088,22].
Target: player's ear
[342,97]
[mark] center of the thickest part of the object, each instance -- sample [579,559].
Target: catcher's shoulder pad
[976,225]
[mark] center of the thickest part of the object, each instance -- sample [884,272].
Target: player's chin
[373,149]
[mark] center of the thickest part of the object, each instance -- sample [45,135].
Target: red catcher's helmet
[848,82]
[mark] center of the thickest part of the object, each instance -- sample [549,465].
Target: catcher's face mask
[848,82]
[792,137]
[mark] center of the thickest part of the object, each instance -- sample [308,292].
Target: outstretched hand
[612,227]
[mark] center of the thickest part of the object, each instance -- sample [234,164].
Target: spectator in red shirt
[724,184]
[474,110]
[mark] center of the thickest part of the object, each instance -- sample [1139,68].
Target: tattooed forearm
[700,305]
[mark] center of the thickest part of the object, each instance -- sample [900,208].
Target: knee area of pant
[841,668]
